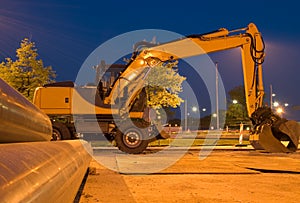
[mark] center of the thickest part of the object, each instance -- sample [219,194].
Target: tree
[237,112]
[238,94]
[27,72]
[163,86]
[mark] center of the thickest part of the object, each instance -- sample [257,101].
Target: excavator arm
[250,44]
[269,129]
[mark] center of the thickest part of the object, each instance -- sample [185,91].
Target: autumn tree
[27,72]
[163,86]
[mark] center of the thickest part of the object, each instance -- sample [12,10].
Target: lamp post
[217,97]
[194,110]
[271,96]
[185,115]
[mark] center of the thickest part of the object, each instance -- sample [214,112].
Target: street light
[217,96]
[271,96]
[185,115]
[279,111]
[234,101]
[276,104]
[195,109]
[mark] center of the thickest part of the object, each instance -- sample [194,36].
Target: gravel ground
[223,176]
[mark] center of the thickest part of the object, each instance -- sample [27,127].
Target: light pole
[194,110]
[203,109]
[271,96]
[217,97]
[185,115]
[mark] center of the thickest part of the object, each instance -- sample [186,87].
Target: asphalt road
[197,175]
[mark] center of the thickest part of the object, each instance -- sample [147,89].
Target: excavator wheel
[274,134]
[60,132]
[132,137]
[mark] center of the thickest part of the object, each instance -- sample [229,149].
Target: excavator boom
[269,129]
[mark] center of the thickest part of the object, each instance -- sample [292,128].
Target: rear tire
[132,138]
[60,132]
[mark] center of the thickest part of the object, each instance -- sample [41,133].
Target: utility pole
[271,97]
[217,97]
[185,115]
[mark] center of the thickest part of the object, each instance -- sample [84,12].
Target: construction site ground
[200,174]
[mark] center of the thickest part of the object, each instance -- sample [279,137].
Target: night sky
[66,33]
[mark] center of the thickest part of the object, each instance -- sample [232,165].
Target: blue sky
[66,33]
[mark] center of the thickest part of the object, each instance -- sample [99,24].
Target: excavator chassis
[272,133]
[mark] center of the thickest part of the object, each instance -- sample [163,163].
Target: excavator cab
[106,77]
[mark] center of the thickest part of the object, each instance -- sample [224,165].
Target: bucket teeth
[292,130]
[272,133]
[271,139]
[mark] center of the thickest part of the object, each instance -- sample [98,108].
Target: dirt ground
[224,176]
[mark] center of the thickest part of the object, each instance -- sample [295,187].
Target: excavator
[129,129]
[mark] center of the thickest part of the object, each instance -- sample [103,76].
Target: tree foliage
[163,86]
[238,93]
[237,113]
[27,72]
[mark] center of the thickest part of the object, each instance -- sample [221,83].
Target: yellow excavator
[270,132]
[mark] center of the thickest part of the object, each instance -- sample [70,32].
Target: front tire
[132,139]
[60,132]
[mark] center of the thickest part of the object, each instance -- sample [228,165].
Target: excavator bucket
[280,138]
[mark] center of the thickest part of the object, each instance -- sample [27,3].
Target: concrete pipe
[42,171]
[20,120]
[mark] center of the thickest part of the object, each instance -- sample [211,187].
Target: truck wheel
[60,131]
[132,139]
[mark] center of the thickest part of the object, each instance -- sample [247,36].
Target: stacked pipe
[33,168]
